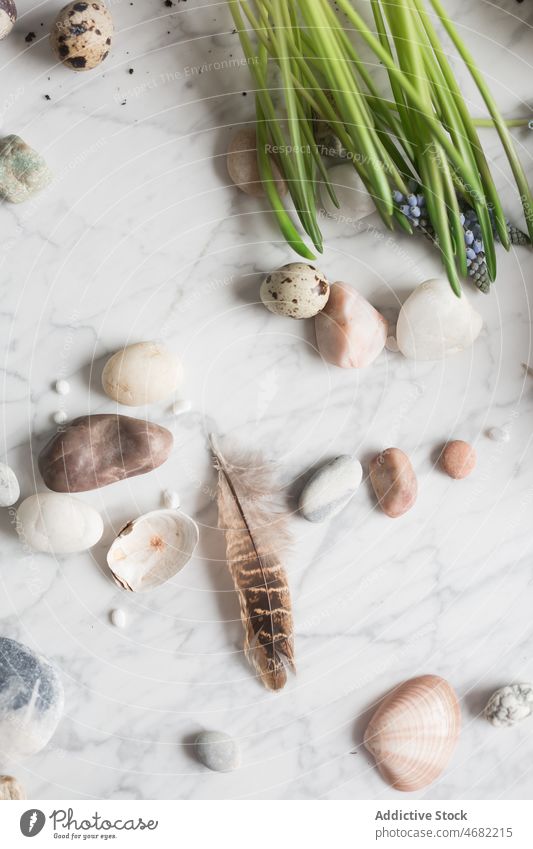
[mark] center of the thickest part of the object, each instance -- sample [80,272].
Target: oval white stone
[217,751]
[330,488]
[141,374]
[434,323]
[58,524]
[9,486]
[354,199]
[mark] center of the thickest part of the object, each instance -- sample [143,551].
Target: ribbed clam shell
[152,549]
[414,731]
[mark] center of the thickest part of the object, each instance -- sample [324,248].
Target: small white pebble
[118,618]
[62,387]
[181,406]
[171,500]
[499,434]
[60,417]
[391,344]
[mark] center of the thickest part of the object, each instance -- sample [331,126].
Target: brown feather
[255,537]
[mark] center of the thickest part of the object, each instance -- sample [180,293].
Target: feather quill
[255,538]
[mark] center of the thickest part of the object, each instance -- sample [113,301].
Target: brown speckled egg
[458,459]
[296,290]
[81,35]
[8,16]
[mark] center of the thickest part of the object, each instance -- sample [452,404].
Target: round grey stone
[217,750]
[330,489]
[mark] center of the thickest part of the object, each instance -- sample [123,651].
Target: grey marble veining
[140,237]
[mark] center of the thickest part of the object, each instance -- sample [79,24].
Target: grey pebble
[330,488]
[217,751]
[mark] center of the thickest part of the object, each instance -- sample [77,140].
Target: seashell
[152,549]
[414,731]
[9,486]
[510,705]
[10,789]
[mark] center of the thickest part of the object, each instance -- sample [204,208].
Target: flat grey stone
[330,488]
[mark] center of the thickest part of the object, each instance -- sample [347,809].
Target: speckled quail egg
[296,290]
[81,35]
[8,16]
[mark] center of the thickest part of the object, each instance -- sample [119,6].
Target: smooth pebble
[243,167]
[60,416]
[31,700]
[62,387]
[350,333]
[394,481]
[458,459]
[392,344]
[499,434]
[355,202]
[23,171]
[434,323]
[217,751]
[9,486]
[181,406]
[118,618]
[8,17]
[58,524]
[140,374]
[171,500]
[330,489]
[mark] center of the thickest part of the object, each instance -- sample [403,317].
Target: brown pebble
[394,481]
[458,459]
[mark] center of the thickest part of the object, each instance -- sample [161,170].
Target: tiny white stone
[118,618]
[60,417]
[171,500]
[392,345]
[181,406]
[9,486]
[62,387]
[499,434]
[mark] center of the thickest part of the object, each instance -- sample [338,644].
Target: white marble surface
[140,237]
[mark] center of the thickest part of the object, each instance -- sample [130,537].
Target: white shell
[354,199]
[434,323]
[414,731]
[152,549]
[9,486]
[296,290]
[141,374]
[58,524]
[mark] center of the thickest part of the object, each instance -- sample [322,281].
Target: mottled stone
[350,333]
[217,750]
[23,171]
[458,459]
[394,481]
[94,451]
[330,488]
[31,700]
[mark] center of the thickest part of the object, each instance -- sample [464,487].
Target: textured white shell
[9,486]
[152,549]
[414,731]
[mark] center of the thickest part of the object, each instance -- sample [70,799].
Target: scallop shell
[152,549]
[414,731]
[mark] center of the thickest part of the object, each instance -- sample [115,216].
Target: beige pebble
[243,168]
[458,459]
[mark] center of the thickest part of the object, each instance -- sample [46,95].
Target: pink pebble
[458,459]
[350,333]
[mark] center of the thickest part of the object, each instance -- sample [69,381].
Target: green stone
[23,171]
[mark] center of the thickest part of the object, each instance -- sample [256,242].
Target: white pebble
[171,500]
[118,618]
[499,434]
[181,406]
[391,344]
[62,387]
[60,417]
